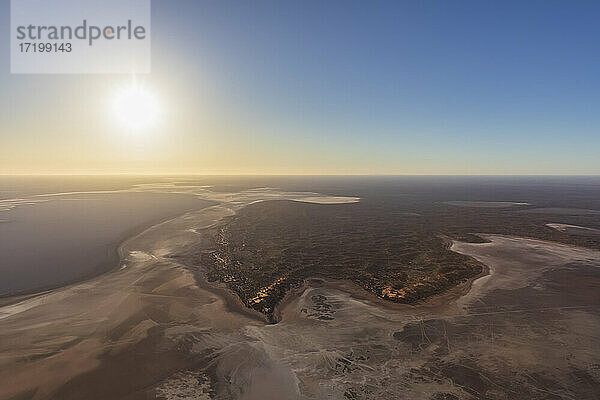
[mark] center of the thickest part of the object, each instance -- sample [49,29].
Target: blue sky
[432,87]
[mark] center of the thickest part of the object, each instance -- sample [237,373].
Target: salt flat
[153,327]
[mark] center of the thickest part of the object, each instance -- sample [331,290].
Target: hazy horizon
[397,88]
[175,174]
[304,200]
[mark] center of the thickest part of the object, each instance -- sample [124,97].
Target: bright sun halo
[136,108]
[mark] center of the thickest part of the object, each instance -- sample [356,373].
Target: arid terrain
[397,250]
[526,325]
[271,247]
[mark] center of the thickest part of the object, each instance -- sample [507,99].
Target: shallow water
[49,241]
[130,330]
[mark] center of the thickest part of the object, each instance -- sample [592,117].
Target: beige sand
[528,330]
[47,340]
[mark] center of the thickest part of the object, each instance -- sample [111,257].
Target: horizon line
[174,174]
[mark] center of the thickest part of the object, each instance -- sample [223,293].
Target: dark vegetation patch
[392,244]
[270,247]
[472,238]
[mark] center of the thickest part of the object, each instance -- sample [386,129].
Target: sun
[136,108]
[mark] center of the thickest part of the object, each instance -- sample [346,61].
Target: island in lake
[309,288]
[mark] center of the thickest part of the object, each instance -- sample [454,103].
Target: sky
[328,87]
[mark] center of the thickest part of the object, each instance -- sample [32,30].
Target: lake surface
[48,241]
[57,230]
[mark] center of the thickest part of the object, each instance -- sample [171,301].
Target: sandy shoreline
[169,332]
[119,301]
[114,264]
[442,301]
[73,237]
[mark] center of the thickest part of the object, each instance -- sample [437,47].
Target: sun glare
[136,108]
